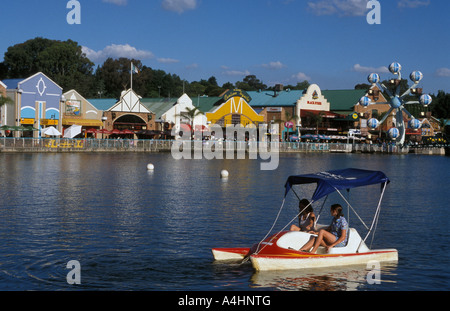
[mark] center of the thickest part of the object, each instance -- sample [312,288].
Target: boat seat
[354,244]
[296,239]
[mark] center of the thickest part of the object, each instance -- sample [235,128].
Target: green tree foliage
[440,106]
[63,61]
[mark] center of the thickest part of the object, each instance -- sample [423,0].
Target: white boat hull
[267,263]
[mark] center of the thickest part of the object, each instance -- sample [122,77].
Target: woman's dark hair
[338,208]
[305,203]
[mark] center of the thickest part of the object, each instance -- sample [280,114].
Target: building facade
[76,110]
[129,114]
[37,102]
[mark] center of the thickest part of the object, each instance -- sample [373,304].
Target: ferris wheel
[397,102]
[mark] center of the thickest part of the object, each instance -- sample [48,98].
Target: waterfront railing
[151,145]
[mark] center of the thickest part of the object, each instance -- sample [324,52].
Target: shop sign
[314,103]
[49,122]
[237,93]
[26,121]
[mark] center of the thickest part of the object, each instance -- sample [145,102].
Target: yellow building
[235,110]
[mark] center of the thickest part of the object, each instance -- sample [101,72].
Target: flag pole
[131,75]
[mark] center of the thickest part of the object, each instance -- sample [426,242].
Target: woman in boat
[333,236]
[306,218]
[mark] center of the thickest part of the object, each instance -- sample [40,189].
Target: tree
[191,114]
[251,83]
[314,120]
[62,61]
[115,74]
[440,106]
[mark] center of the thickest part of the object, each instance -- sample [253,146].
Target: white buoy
[150,167]
[224,174]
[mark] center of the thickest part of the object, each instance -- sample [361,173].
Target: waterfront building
[3,89]
[308,111]
[184,112]
[234,110]
[128,113]
[37,103]
[76,110]
[4,107]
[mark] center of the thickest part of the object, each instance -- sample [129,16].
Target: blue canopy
[328,182]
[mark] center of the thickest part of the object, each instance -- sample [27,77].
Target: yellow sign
[65,144]
[49,122]
[235,110]
[28,121]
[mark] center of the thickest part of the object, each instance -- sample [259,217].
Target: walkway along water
[149,145]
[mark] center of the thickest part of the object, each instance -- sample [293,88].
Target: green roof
[206,104]
[286,98]
[102,104]
[158,106]
[343,100]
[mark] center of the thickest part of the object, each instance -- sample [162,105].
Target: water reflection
[348,278]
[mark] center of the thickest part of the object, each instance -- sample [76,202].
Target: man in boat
[306,219]
[335,235]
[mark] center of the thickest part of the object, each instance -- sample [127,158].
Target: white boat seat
[296,239]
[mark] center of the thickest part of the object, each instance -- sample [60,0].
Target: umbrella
[72,131]
[115,131]
[6,128]
[30,128]
[103,131]
[51,131]
[91,131]
[126,131]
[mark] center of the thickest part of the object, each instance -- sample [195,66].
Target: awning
[82,122]
[328,182]
[326,114]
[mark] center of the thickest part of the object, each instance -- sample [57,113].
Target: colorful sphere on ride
[365,101]
[425,99]
[416,76]
[395,68]
[373,123]
[393,133]
[373,78]
[395,102]
[415,124]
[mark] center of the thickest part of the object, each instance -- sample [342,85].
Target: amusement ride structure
[397,102]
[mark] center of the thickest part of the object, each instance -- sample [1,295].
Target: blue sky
[327,42]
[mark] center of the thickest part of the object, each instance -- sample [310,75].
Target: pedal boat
[281,251]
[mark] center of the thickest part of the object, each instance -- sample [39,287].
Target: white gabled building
[177,114]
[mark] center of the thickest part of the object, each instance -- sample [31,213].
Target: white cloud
[236,73]
[116,51]
[117,2]
[301,76]
[179,6]
[274,65]
[413,3]
[192,66]
[363,69]
[443,72]
[340,7]
[167,60]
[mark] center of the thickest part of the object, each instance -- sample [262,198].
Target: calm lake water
[131,229]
